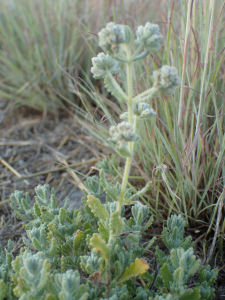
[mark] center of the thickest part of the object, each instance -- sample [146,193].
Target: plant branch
[130,120]
[150,93]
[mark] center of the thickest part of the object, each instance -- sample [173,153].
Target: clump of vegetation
[46,48]
[96,252]
[182,149]
[41,45]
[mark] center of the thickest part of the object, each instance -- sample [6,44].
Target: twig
[18,143]
[7,165]
[75,177]
[5,201]
[53,170]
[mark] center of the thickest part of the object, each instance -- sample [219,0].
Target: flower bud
[125,127]
[147,113]
[124,116]
[140,107]
[111,37]
[143,111]
[166,79]
[123,132]
[112,130]
[149,37]
[103,64]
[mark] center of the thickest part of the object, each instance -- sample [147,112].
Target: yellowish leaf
[139,267]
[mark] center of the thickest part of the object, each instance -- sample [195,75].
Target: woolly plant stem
[130,120]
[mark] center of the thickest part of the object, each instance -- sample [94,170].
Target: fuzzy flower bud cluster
[123,132]
[103,64]
[166,79]
[121,135]
[141,110]
[111,38]
[149,37]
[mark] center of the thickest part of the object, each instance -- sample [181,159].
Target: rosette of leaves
[31,275]
[166,79]
[66,286]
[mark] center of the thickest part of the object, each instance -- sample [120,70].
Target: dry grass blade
[191,148]
[91,161]
[75,177]
[5,201]
[181,104]
[7,165]
[18,143]
[219,215]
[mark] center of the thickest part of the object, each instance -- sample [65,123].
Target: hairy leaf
[97,208]
[77,240]
[104,232]
[166,275]
[116,223]
[99,245]
[2,290]
[193,295]
[139,267]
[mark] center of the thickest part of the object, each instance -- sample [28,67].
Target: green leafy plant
[5,270]
[97,251]
[82,263]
